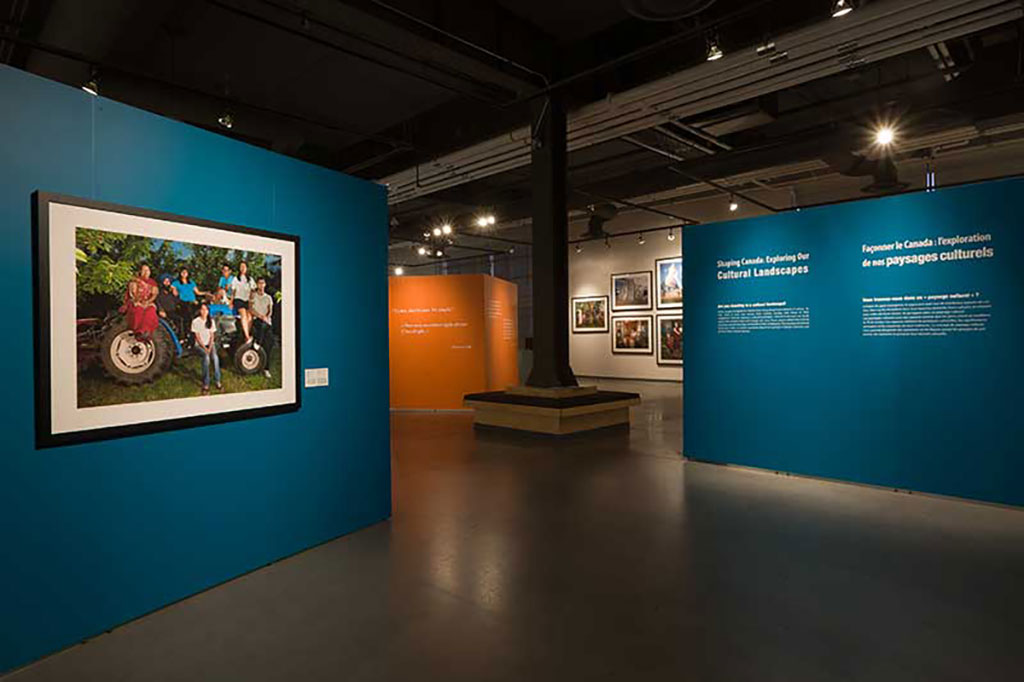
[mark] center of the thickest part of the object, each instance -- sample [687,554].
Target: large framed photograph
[589,314]
[670,282]
[670,339]
[148,321]
[631,291]
[632,335]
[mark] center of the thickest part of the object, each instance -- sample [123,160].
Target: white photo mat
[65,415]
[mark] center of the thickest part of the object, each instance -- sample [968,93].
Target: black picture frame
[586,330]
[649,350]
[678,315]
[45,437]
[649,275]
[658,280]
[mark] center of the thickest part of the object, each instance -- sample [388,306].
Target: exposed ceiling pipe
[220,99]
[666,10]
[257,18]
[695,178]
[879,31]
[460,40]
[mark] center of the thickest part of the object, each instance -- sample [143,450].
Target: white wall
[590,274]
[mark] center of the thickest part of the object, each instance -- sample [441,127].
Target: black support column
[550,248]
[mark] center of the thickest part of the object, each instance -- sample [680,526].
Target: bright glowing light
[840,8]
[579,248]
[446,229]
[92,88]
[671,236]
[481,221]
[491,220]
[439,253]
[399,271]
[884,136]
[640,240]
[437,231]
[226,120]
[714,51]
[422,251]
[734,205]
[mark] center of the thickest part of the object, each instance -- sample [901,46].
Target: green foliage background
[106,261]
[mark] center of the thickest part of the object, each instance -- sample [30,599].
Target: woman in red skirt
[140,303]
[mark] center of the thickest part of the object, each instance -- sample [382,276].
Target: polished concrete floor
[604,557]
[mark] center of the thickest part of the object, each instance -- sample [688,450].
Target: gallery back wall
[590,274]
[96,534]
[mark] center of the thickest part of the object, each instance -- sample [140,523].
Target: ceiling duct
[665,10]
[878,31]
[599,215]
[882,170]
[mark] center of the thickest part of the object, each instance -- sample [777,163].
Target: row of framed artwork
[632,291]
[632,333]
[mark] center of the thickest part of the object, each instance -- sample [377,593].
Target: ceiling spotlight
[579,248]
[885,136]
[714,51]
[439,253]
[482,221]
[671,235]
[840,8]
[733,205]
[512,250]
[640,240]
[437,231]
[399,271]
[226,120]
[422,251]
[446,229]
[92,85]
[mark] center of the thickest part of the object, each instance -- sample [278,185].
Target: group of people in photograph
[180,300]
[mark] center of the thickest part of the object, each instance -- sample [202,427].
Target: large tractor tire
[131,361]
[248,360]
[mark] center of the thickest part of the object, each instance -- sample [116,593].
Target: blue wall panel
[97,534]
[929,413]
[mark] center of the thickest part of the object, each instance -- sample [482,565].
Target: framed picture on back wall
[148,321]
[589,314]
[670,339]
[632,335]
[631,291]
[670,282]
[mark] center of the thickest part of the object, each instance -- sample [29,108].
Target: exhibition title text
[947,250]
[777,265]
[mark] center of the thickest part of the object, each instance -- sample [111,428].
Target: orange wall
[450,335]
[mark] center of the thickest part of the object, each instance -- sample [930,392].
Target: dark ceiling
[373,88]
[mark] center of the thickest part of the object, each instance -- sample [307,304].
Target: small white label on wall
[315,378]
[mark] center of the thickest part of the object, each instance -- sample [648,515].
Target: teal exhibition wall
[96,534]
[876,341]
